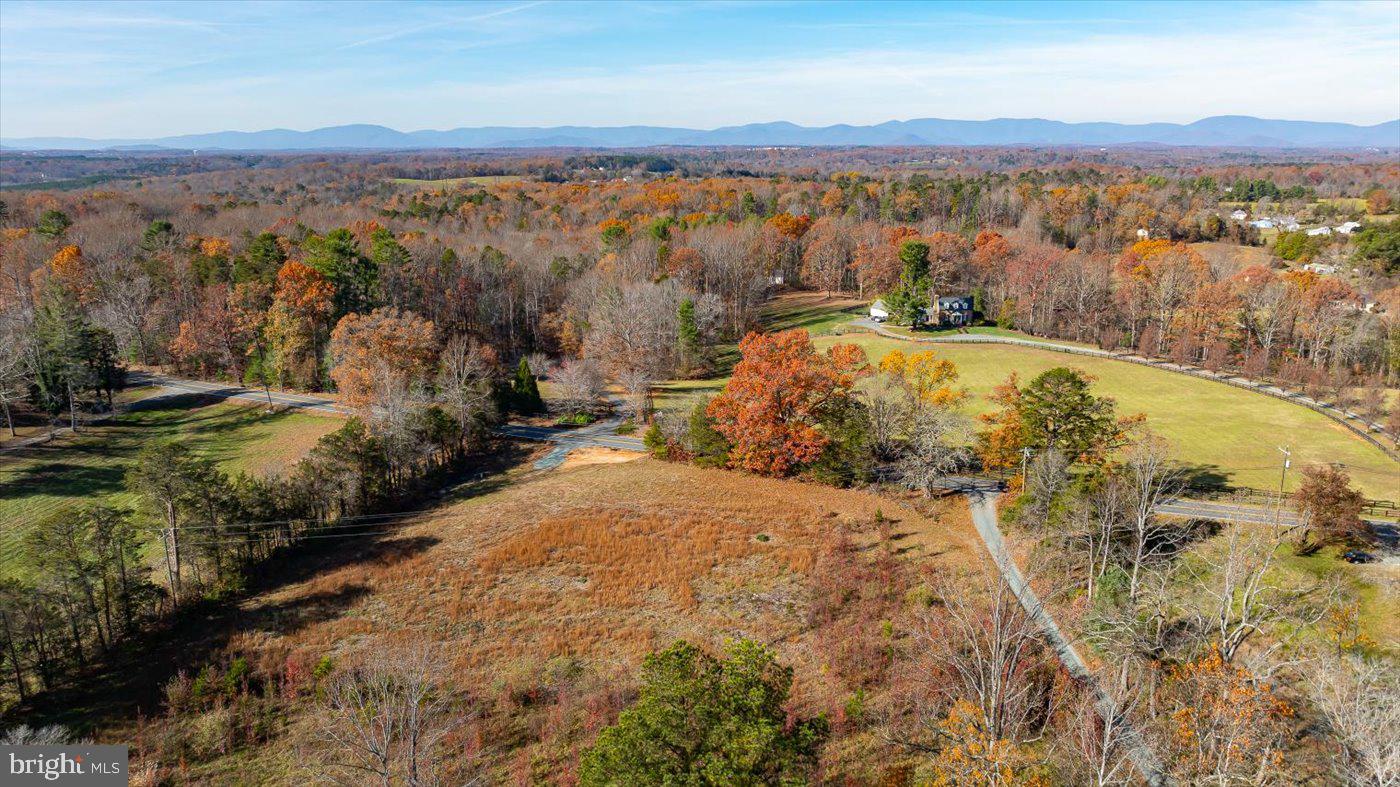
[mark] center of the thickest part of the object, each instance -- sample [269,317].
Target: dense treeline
[89,584]
[245,274]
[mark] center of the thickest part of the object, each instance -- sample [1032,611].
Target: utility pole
[1025,456]
[72,409]
[1282,476]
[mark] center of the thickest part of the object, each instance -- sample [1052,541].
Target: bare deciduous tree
[1360,699]
[383,721]
[1148,481]
[982,647]
[1238,597]
[465,375]
[579,383]
[1103,734]
[934,447]
[1095,527]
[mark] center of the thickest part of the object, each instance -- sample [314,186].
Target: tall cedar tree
[687,336]
[908,301]
[525,390]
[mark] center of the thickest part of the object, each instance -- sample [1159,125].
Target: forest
[435,296]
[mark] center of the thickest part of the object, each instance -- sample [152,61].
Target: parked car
[1357,556]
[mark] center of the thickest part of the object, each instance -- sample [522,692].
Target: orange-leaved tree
[1331,510]
[293,329]
[1227,726]
[782,393]
[999,445]
[379,355]
[971,755]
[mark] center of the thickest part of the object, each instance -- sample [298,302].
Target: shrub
[703,720]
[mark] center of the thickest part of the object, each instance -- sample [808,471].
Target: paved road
[171,387]
[984,516]
[1184,507]
[601,434]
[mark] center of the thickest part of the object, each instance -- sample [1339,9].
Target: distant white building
[879,312]
[1349,227]
[1316,231]
[1239,215]
[1263,224]
[1292,226]
[1320,268]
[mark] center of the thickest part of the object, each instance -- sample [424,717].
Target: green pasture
[1220,432]
[90,468]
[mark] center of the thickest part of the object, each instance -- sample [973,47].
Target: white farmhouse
[1349,227]
[1263,224]
[1239,215]
[879,312]
[1316,231]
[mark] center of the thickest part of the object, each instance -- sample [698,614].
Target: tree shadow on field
[62,479]
[130,684]
[130,681]
[1205,478]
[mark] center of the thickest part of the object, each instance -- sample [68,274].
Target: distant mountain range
[1222,131]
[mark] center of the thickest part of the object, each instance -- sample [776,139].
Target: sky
[142,70]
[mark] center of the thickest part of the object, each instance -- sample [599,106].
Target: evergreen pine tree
[526,390]
[687,335]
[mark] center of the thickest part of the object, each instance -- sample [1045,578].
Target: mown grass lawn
[1372,587]
[90,468]
[1221,432]
[1215,428]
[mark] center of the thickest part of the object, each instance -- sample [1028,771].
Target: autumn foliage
[772,409]
[380,352]
[1227,724]
[928,378]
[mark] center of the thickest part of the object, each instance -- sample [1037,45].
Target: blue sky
[114,69]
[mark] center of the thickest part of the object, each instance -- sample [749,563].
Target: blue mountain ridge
[1220,131]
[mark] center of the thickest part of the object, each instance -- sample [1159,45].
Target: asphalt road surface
[984,516]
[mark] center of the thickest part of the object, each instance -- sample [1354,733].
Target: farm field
[89,468]
[568,579]
[478,180]
[1220,431]
[1220,253]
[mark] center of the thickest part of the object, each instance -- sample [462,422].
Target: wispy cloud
[442,24]
[699,65]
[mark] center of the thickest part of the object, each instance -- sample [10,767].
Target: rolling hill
[1221,131]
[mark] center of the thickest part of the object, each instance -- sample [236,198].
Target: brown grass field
[612,560]
[583,571]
